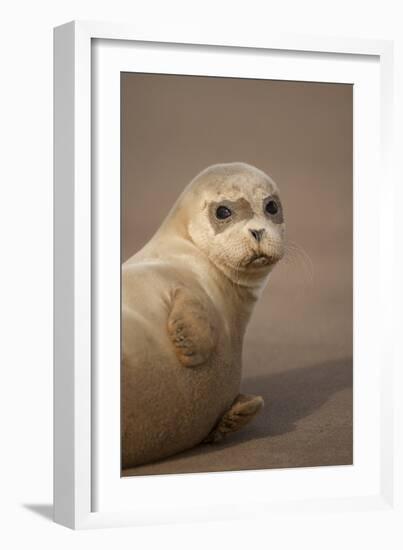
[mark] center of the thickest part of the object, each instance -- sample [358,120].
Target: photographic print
[237,274]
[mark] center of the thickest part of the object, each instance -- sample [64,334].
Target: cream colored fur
[187,297]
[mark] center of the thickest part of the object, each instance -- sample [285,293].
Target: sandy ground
[293,431]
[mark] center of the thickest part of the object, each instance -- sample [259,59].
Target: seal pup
[187,297]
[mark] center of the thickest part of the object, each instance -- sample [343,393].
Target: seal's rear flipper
[190,329]
[241,412]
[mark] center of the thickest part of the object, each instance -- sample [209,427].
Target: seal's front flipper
[190,328]
[242,411]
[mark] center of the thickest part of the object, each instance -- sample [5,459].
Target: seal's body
[187,297]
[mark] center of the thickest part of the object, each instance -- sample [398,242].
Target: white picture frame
[88,491]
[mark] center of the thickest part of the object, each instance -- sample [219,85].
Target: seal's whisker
[296,256]
[299,261]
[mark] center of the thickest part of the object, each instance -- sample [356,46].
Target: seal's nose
[257,234]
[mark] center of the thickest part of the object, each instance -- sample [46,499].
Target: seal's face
[239,221]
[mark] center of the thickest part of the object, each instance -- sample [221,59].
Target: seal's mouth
[260,260]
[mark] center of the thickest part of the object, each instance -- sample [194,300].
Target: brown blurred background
[298,349]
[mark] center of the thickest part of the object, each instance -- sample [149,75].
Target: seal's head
[235,216]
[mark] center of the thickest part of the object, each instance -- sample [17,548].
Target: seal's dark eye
[223,212]
[272,207]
